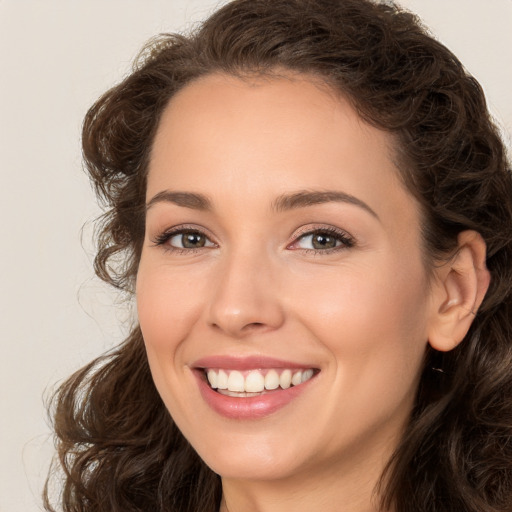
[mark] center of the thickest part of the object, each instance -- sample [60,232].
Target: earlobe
[462,284]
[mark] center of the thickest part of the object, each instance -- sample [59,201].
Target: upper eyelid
[183,228]
[311,229]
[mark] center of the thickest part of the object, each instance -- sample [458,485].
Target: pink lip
[246,363]
[247,408]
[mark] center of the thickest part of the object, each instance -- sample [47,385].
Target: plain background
[56,58]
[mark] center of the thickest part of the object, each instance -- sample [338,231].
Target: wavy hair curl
[118,447]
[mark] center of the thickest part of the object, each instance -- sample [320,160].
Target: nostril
[246,318]
[253,325]
[247,329]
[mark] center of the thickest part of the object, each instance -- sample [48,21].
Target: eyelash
[347,241]
[163,238]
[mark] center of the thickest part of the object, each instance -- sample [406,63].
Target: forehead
[272,135]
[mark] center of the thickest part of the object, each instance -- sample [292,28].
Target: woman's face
[281,247]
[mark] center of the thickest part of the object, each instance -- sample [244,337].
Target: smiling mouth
[256,382]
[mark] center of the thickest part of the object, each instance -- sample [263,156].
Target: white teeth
[306,375]
[285,380]
[297,378]
[236,381]
[237,394]
[212,378]
[254,382]
[222,380]
[271,380]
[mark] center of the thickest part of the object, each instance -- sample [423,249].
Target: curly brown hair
[118,446]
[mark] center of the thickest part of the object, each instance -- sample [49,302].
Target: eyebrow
[285,202]
[306,198]
[184,199]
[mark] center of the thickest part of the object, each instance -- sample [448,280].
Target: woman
[314,211]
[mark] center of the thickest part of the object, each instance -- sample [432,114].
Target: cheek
[386,298]
[168,306]
[373,321]
[168,300]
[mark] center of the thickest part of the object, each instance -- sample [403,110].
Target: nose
[246,297]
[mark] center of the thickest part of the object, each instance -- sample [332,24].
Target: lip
[246,363]
[247,408]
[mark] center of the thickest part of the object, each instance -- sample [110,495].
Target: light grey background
[56,58]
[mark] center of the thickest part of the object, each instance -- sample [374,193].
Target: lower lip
[248,408]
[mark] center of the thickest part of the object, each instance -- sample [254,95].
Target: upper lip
[246,363]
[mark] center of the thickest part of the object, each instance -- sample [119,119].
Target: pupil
[323,241]
[193,240]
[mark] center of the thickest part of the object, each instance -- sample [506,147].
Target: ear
[461,286]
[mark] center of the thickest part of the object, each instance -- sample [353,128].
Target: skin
[362,314]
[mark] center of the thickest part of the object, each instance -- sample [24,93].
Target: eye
[323,240]
[183,239]
[190,240]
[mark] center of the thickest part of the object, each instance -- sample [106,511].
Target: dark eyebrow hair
[305,198]
[185,199]
[300,199]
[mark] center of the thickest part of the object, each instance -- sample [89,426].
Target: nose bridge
[245,297]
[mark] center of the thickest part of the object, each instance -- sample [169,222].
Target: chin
[255,464]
